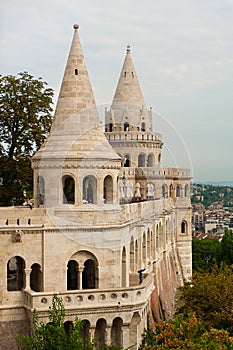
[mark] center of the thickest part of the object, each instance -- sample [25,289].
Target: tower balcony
[116,299]
[143,136]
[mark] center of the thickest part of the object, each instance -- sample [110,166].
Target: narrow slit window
[76,71]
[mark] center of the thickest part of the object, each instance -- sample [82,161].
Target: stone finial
[76,26]
[128,49]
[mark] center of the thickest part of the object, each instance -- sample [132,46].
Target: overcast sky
[182,52]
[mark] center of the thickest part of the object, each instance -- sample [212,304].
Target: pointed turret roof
[76,132]
[128,89]
[76,91]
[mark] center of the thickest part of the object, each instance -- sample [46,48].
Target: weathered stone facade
[104,209]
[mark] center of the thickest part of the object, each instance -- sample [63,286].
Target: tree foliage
[227,247]
[53,336]
[186,333]
[210,296]
[205,253]
[25,120]
[208,252]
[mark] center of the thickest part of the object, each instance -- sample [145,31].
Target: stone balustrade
[133,136]
[93,298]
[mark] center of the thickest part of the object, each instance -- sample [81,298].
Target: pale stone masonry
[110,230]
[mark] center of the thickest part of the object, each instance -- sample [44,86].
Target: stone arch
[68,326]
[157,236]
[123,267]
[136,254]
[100,332]
[150,189]
[126,126]
[144,249]
[184,227]
[151,160]
[116,332]
[132,255]
[171,191]
[68,185]
[72,275]
[40,190]
[159,158]
[164,191]
[16,278]
[126,161]
[178,190]
[186,190]
[134,331]
[36,278]
[141,160]
[90,278]
[90,189]
[108,189]
[148,244]
[87,270]
[85,331]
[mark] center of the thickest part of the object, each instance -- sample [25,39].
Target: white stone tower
[110,230]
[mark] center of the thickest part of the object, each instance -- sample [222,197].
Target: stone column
[27,279]
[80,277]
[125,336]
[108,335]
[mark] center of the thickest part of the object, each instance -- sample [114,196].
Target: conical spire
[76,91]
[128,89]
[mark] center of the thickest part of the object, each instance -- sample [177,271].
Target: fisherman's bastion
[110,228]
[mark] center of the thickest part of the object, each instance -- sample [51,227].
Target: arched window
[85,330]
[126,160]
[159,158]
[164,191]
[134,328]
[143,126]
[36,278]
[126,126]
[123,268]
[186,191]
[72,275]
[184,227]
[141,160]
[40,190]
[90,189]
[110,127]
[90,278]
[116,332]
[151,160]
[108,189]
[68,326]
[15,273]
[171,191]
[100,333]
[132,255]
[68,190]
[144,248]
[178,190]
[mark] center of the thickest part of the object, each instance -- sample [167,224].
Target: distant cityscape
[212,210]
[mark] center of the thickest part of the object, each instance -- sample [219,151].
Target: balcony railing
[93,298]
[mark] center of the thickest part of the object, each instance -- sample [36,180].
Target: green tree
[227,247]
[205,253]
[25,120]
[210,296]
[53,336]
